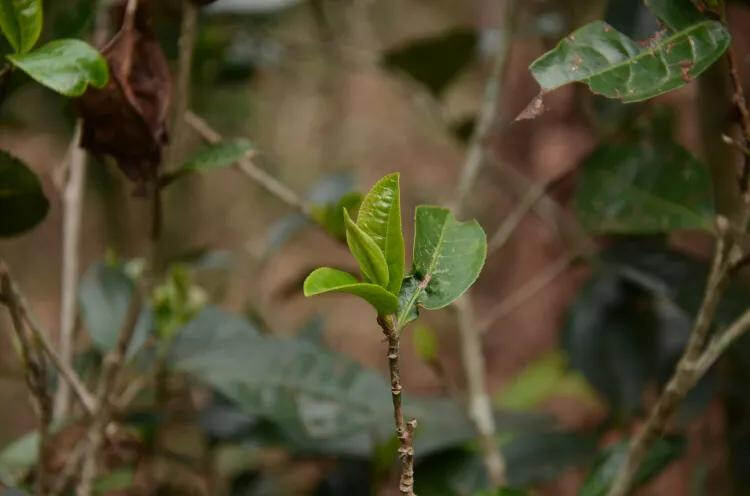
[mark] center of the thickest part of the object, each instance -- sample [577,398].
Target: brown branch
[404,430]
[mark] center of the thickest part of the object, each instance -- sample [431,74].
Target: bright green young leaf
[327,280]
[65,66]
[380,217]
[218,156]
[367,253]
[22,201]
[331,215]
[21,23]
[448,256]
[615,66]
[644,189]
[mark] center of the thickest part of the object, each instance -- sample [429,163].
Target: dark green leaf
[644,189]
[327,280]
[676,14]
[220,155]
[448,256]
[426,343]
[380,217]
[435,61]
[65,66]
[408,310]
[22,201]
[21,23]
[367,253]
[660,455]
[616,66]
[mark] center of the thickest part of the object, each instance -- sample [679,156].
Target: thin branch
[404,429]
[72,207]
[246,165]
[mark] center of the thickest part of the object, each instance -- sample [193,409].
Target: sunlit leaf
[380,217]
[22,201]
[644,189]
[65,66]
[327,280]
[21,23]
[367,253]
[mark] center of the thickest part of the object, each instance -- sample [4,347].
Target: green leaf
[218,156]
[21,23]
[367,253]
[18,458]
[22,201]
[448,256]
[660,455]
[675,14]
[331,215]
[380,217]
[65,66]
[616,66]
[426,344]
[327,280]
[407,301]
[644,189]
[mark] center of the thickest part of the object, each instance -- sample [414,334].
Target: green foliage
[18,457]
[65,66]
[644,188]
[176,302]
[660,455]
[370,258]
[615,66]
[22,201]
[448,255]
[426,343]
[218,156]
[327,280]
[21,23]
[380,217]
[330,215]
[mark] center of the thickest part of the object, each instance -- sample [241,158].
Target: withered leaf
[127,118]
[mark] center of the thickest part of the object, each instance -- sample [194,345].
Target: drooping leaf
[217,156]
[663,452]
[331,215]
[22,201]
[437,60]
[127,118]
[380,217]
[367,253]
[644,189]
[65,66]
[21,23]
[618,67]
[675,14]
[327,280]
[105,294]
[448,256]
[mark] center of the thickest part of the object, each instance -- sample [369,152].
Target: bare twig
[72,200]
[404,429]
[249,168]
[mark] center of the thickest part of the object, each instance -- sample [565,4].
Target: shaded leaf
[426,343]
[18,457]
[448,256]
[435,61]
[644,189]
[380,217]
[68,67]
[21,23]
[327,280]
[331,215]
[127,118]
[616,66]
[367,253]
[675,14]
[22,201]
[663,452]
[217,156]
[408,310]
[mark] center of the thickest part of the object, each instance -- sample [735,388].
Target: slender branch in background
[249,168]
[73,188]
[473,362]
[404,429]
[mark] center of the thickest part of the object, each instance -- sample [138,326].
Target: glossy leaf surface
[328,280]
[65,66]
[22,201]
[21,23]
[644,189]
[367,253]
[380,217]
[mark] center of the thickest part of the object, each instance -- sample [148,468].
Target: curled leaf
[127,118]
[367,253]
[327,280]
